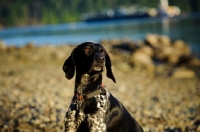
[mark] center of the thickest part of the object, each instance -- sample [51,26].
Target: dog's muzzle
[100,59]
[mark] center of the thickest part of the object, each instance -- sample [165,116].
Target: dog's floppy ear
[69,66]
[108,68]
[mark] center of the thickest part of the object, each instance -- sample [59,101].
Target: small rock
[115,41]
[183,73]
[52,117]
[194,62]
[164,40]
[152,40]
[2,46]
[173,59]
[198,128]
[58,55]
[179,44]
[181,48]
[11,48]
[29,46]
[146,50]
[123,66]
[163,53]
[25,127]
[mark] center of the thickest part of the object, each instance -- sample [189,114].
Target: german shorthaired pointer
[93,107]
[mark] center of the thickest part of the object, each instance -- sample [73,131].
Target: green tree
[30,12]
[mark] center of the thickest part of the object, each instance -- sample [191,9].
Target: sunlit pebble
[51,103]
[37,122]
[42,125]
[46,119]
[18,105]
[27,118]
[198,128]
[1,103]
[52,117]
[5,126]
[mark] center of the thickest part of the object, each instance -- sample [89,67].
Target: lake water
[186,28]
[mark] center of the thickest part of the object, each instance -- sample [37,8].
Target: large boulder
[164,40]
[182,49]
[162,53]
[194,62]
[152,40]
[146,50]
[173,53]
[157,41]
[141,59]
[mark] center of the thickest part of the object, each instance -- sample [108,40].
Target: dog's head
[88,58]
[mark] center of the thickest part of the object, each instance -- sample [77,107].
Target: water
[185,28]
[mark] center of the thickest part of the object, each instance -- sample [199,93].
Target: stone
[183,73]
[146,50]
[29,46]
[194,62]
[152,40]
[2,45]
[173,59]
[163,53]
[141,59]
[164,40]
[25,127]
[115,41]
[181,48]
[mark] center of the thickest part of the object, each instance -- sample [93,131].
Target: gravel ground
[34,94]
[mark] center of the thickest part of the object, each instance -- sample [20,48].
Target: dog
[93,107]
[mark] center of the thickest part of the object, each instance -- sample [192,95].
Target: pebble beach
[34,93]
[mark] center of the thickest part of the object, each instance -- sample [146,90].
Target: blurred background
[56,22]
[154,46]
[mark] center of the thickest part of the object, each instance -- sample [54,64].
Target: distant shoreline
[184,28]
[194,48]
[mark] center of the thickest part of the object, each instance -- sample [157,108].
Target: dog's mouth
[97,68]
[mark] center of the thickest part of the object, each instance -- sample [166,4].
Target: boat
[132,12]
[115,14]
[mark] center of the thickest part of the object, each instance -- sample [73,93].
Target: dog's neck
[86,83]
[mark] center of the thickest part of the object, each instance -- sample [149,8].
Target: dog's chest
[97,104]
[93,113]
[102,102]
[97,120]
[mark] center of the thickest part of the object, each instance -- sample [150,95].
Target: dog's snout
[99,58]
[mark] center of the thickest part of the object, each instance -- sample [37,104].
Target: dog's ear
[108,68]
[69,66]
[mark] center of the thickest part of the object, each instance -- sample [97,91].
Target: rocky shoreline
[162,94]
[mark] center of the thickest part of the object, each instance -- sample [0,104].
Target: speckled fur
[95,122]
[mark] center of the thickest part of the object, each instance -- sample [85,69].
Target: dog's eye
[87,50]
[102,51]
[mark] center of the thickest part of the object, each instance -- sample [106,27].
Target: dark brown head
[88,58]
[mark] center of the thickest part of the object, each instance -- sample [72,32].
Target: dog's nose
[99,58]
